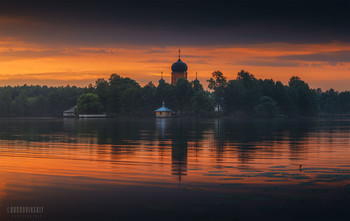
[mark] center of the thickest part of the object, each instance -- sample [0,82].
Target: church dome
[179,66]
[161,81]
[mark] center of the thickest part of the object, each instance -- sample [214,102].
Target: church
[178,70]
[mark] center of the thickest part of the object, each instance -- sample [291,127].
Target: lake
[175,169]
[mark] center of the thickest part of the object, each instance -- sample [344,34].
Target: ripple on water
[218,171]
[281,180]
[300,177]
[332,177]
[213,174]
[308,183]
[237,178]
[278,167]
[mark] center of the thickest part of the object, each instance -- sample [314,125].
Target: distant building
[161,81]
[163,112]
[196,81]
[69,112]
[92,115]
[178,70]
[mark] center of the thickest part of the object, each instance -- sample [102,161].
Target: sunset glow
[75,43]
[35,64]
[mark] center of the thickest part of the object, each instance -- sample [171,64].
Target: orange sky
[23,62]
[75,42]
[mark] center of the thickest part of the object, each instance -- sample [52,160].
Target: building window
[160,113]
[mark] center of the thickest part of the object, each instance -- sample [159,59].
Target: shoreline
[239,118]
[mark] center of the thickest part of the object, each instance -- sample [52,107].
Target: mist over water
[176,169]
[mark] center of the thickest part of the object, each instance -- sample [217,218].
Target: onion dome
[161,81]
[179,66]
[196,80]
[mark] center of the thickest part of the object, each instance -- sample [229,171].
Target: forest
[244,96]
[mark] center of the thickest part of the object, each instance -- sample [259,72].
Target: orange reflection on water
[212,160]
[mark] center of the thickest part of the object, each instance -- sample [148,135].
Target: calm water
[176,169]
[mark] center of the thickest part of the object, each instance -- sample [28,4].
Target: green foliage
[217,80]
[334,102]
[5,102]
[37,100]
[102,91]
[242,94]
[247,78]
[117,80]
[303,97]
[89,104]
[124,96]
[183,94]
[218,83]
[20,104]
[202,104]
[344,102]
[196,86]
[148,97]
[250,96]
[267,107]
[165,92]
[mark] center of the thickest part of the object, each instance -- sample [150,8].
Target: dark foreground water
[174,169]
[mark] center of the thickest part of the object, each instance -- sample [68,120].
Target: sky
[74,42]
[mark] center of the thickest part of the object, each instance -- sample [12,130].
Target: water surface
[176,169]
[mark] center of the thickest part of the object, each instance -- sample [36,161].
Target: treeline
[249,96]
[37,100]
[124,96]
[118,96]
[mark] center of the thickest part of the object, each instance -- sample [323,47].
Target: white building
[69,112]
[164,112]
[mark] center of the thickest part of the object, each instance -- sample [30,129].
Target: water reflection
[221,165]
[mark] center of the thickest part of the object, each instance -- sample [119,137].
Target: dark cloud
[170,22]
[333,58]
[95,51]
[11,54]
[277,63]
[156,61]
[340,85]
[200,61]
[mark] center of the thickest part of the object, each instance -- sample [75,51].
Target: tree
[183,93]
[37,105]
[165,92]
[131,100]
[201,103]
[5,102]
[103,92]
[89,104]
[148,96]
[243,93]
[218,83]
[20,105]
[117,80]
[329,101]
[344,102]
[267,107]
[303,97]
[247,78]
[196,85]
